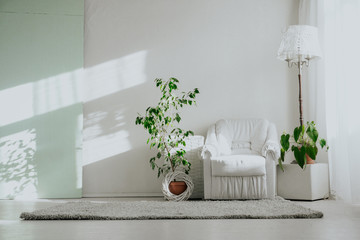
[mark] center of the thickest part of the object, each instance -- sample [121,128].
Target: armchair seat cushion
[238,165]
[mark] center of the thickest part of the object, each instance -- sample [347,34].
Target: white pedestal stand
[312,183]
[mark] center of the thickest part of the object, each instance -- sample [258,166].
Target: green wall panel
[41,45]
[59,7]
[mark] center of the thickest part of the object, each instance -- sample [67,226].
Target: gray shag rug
[144,210]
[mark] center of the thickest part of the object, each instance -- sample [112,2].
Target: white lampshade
[299,43]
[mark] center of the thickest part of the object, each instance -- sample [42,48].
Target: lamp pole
[299,64]
[300,97]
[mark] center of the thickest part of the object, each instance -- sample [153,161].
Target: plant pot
[309,160]
[177,187]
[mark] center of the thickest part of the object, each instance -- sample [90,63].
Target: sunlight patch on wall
[28,100]
[103,147]
[115,75]
[18,174]
[57,92]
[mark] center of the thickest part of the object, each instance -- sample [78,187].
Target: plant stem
[168,151]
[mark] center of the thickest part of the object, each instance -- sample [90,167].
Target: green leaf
[312,133]
[196,90]
[284,141]
[300,155]
[311,151]
[158,155]
[152,163]
[172,86]
[180,153]
[322,143]
[158,82]
[177,117]
[297,132]
[188,133]
[174,79]
[282,155]
[167,120]
[137,120]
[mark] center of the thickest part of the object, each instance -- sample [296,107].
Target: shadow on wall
[115,160]
[112,155]
[33,164]
[106,99]
[18,173]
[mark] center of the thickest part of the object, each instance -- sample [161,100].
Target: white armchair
[239,159]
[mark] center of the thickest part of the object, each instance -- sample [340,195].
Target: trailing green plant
[161,123]
[303,142]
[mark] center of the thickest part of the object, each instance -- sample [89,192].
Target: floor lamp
[298,46]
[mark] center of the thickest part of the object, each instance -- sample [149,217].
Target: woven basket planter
[179,176]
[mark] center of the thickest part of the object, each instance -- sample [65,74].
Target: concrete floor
[341,221]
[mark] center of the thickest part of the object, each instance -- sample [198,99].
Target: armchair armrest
[271,145]
[210,149]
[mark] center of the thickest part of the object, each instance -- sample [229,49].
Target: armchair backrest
[241,136]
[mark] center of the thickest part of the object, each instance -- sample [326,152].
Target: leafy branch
[161,123]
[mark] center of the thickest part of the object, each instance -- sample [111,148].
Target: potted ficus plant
[303,143]
[165,136]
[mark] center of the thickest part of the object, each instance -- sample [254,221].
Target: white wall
[225,48]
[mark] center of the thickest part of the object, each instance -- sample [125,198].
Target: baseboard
[137,194]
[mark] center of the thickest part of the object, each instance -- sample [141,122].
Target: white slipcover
[239,159]
[238,165]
